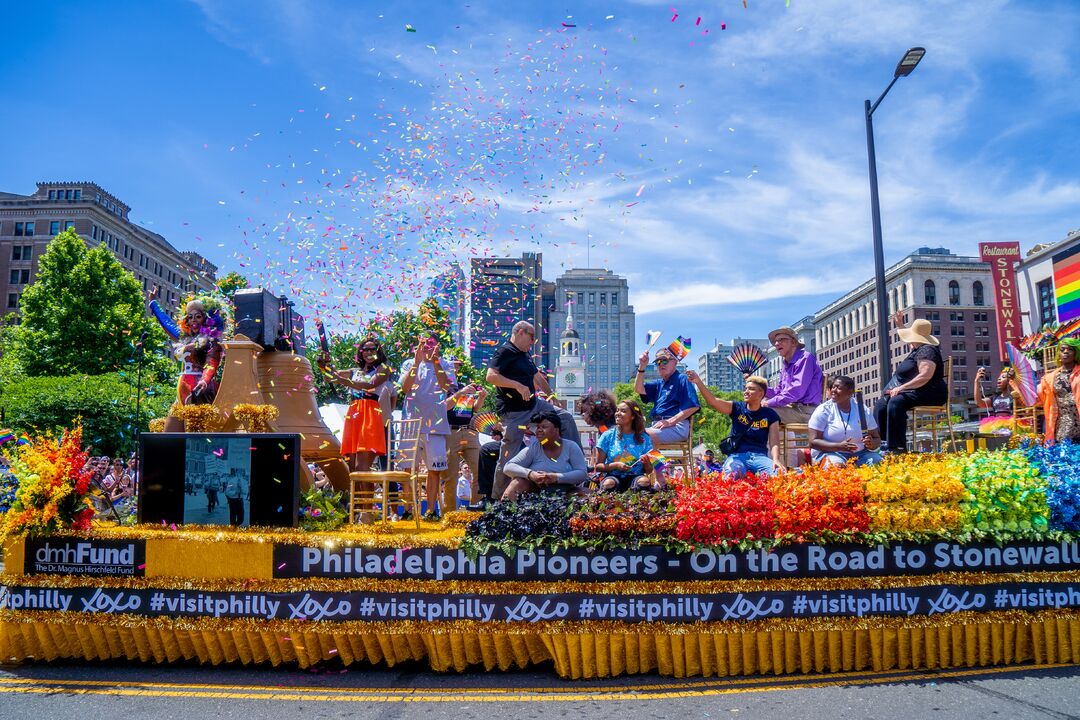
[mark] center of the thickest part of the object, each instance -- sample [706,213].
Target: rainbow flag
[1067,284]
[680,347]
[657,458]
[7,435]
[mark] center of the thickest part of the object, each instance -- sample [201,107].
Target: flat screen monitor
[238,479]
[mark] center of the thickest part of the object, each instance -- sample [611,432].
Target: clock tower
[570,371]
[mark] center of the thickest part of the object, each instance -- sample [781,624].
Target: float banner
[82,556]
[1002,258]
[653,563]
[696,607]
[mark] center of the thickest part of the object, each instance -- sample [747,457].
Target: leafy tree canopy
[84,313]
[232,282]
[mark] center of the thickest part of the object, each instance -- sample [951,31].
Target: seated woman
[1059,393]
[621,452]
[919,379]
[841,430]
[999,406]
[754,443]
[547,463]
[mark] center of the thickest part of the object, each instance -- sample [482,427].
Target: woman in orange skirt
[364,435]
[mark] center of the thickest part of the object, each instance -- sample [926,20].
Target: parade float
[922,562]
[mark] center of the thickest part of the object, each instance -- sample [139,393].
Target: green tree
[105,403]
[84,313]
[232,282]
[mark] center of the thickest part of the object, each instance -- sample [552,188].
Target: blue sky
[720,165]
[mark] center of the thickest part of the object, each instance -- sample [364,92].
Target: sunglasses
[661,363]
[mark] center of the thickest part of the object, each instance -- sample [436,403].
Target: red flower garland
[715,510]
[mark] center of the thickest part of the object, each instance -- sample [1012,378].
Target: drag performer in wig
[196,333]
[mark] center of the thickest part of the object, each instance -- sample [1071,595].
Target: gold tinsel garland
[157,425]
[254,418]
[543,627]
[198,418]
[535,587]
[381,535]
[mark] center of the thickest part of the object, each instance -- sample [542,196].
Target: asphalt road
[187,692]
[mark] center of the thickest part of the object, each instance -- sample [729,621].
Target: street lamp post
[903,69]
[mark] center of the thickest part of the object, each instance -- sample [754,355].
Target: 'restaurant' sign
[1002,258]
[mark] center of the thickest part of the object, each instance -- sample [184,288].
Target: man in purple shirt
[801,382]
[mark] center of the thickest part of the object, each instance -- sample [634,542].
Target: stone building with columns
[953,292]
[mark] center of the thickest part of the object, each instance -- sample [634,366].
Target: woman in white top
[841,430]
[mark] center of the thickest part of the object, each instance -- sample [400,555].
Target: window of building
[13,301]
[957,330]
[614,298]
[933,315]
[67,194]
[982,332]
[19,229]
[1047,302]
[956,316]
[603,298]
[977,297]
[954,292]
[22,252]
[592,298]
[903,296]
[959,346]
[20,277]
[930,293]
[52,194]
[69,224]
[78,194]
[960,360]
[54,228]
[936,330]
[581,298]
[93,231]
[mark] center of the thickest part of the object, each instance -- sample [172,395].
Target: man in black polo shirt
[516,380]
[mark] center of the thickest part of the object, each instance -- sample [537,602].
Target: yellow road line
[167,690]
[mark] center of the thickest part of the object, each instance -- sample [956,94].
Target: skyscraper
[449,289]
[604,320]
[504,291]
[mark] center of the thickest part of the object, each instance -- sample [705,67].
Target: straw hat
[789,332]
[919,332]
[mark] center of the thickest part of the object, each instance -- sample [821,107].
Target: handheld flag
[680,347]
[747,358]
[657,458]
[651,336]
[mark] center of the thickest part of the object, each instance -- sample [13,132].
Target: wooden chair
[683,454]
[1025,415]
[397,483]
[799,443]
[927,417]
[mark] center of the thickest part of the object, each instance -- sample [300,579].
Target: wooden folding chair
[798,444]
[397,483]
[683,454]
[927,417]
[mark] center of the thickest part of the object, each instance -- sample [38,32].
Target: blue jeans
[741,463]
[838,457]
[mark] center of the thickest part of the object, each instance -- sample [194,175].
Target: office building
[953,292]
[716,370]
[29,222]
[503,291]
[1048,283]
[450,291]
[604,320]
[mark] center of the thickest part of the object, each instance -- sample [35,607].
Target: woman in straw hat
[919,379]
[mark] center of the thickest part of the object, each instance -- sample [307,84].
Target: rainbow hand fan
[747,358]
[485,422]
[1025,374]
[680,347]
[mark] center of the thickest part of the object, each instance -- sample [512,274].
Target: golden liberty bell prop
[285,380]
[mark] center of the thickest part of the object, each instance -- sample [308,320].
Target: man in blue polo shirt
[673,396]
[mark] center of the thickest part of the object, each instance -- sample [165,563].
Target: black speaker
[257,315]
